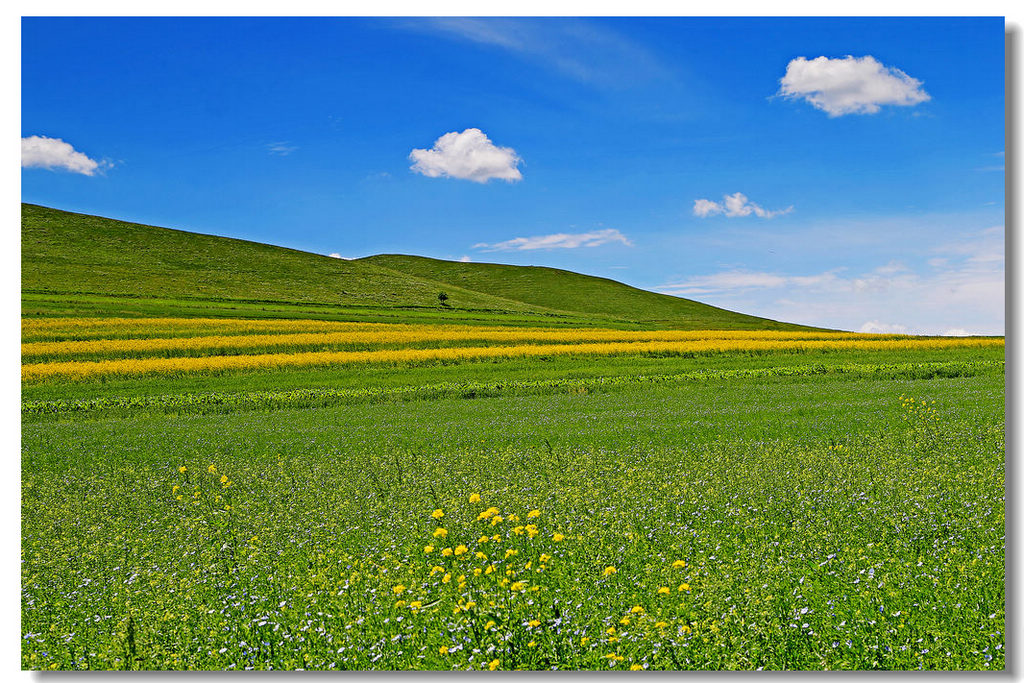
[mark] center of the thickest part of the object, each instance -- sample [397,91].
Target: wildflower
[480,555]
[495,663]
[531,530]
[223,478]
[399,589]
[678,564]
[487,514]
[435,570]
[447,552]
[517,586]
[518,530]
[637,609]
[532,643]
[440,532]
[497,519]
[400,603]
[415,604]
[624,621]
[496,538]
[443,649]
[460,550]
[533,513]
[610,631]
[477,571]
[474,498]
[428,549]
[636,667]
[510,552]
[446,578]
[470,605]
[212,469]
[533,623]
[183,469]
[437,514]
[684,587]
[608,571]
[483,539]
[558,537]
[174,489]
[664,590]
[544,557]
[584,640]
[660,624]
[489,625]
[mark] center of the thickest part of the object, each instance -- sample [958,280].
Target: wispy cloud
[851,85]
[469,155]
[960,289]
[281,148]
[558,241]
[581,50]
[734,206]
[55,154]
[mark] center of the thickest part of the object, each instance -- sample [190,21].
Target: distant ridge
[70,257]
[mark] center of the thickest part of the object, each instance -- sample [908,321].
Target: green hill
[582,294]
[75,264]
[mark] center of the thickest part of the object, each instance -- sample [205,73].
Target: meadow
[231,493]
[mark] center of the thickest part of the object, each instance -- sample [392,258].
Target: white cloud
[465,259]
[963,290]
[558,241]
[875,327]
[469,155]
[851,85]
[53,153]
[734,206]
[281,148]
[335,255]
[956,332]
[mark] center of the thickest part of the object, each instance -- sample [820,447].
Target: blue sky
[838,172]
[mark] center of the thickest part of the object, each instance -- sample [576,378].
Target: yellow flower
[518,530]
[474,498]
[483,539]
[611,630]
[480,555]
[446,578]
[440,532]
[533,623]
[223,478]
[624,621]
[487,514]
[636,667]
[584,640]
[477,572]
[415,604]
[435,570]
[489,626]
[510,552]
[517,586]
[496,538]
[558,537]
[533,513]
[544,557]
[400,603]
[428,549]
[437,514]
[497,519]
[660,624]
[177,498]
[684,587]
[532,643]
[664,590]
[183,469]
[174,489]
[212,469]
[447,552]
[443,649]
[460,550]
[490,569]
[637,609]
[470,605]
[608,571]
[531,530]
[495,663]
[399,589]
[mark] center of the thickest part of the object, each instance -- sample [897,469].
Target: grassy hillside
[560,289]
[75,264]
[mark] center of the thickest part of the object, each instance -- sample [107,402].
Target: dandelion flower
[684,587]
[558,537]
[664,590]
[495,663]
[212,469]
[637,609]
[517,586]
[460,550]
[608,571]
[447,552]
[443,649]
[183,469]
[678,564]
[399,589]
[428,549]
[533,513]
[440,532]
[489,625]
[474,498]
[533,623]
[437,514]
[636,667]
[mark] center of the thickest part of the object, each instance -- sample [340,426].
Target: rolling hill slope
[582,294]
[79,264]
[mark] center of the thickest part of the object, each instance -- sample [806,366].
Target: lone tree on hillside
[442,297]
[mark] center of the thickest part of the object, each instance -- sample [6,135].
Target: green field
[783,509]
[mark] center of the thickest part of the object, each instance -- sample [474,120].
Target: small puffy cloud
[465,259]
[469,155]
[335,255]
[558,241]
[53,153]
[734,206]
[956,332]
[851,85]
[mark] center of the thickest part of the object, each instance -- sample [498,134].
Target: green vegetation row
[74,264]
[220,402]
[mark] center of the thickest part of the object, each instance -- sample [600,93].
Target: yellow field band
[405,334]
[147,366]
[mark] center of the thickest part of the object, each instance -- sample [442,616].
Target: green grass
[79,265]
[824,524]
